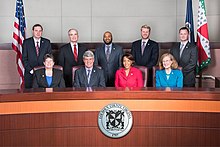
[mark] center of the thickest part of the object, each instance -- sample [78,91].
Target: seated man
[89,75]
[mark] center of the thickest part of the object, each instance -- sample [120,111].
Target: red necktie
[37,48]
[75,53]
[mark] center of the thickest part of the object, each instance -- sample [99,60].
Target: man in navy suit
[146,52]
[186,54]
[108,56]
[89,75]
[33,51]
[71,54]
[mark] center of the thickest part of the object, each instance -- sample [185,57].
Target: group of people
[108,66]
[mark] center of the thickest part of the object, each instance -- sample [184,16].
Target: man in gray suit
[108,56]
[89,75]
[186,54]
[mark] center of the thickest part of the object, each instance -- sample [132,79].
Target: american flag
[18,38]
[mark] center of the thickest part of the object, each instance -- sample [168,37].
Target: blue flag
[189,20]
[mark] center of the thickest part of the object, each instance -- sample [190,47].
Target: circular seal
[115,120]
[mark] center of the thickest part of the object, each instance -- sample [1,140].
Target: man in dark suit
[89,75]
[186,54]
[145,52]
[70,55]
[33,51]
[108,56]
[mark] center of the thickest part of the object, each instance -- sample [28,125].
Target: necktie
[107,52]
[75,53]
[181,49]
[37,48]
[88,75]
[142,47]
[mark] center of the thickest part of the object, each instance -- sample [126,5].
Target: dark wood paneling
[80,129]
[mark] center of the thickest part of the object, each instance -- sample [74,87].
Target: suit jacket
[30,58]
[96,79]
[40,80]
[67,61]
[188,61]
[134,78]
[150,55]
[175,78]
[110,67]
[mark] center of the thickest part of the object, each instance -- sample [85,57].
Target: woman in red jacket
[128,76]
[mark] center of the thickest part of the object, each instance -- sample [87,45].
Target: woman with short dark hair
[48,77]
[128,76]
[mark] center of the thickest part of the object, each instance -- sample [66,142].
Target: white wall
[92,17]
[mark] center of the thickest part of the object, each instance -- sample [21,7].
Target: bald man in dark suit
[108,56]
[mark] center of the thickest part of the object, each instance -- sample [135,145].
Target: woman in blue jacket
[169,75]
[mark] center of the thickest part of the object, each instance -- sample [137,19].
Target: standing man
[146,52]
[33,51]
[71,54]
[108,56]
[89,75]
[186,54]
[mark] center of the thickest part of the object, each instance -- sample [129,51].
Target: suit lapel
[41,46]
[70,52]
[33,47]
[164,75]
[43,78]
[85,76]
[80,52]
[185,49]
[54,78]
[112,54]
[103,52]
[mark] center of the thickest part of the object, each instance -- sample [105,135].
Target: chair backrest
[55,66]
[155,68]
[144,71]
[74,68]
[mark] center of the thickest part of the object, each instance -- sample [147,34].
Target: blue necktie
[88,75]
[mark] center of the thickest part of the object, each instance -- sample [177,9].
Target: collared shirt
[87,70]
[88,73]
[35,41]
[144,40]
[110,48]
[184,44]
[72,45]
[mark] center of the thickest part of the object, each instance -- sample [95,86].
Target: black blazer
[67,61]
[29,54]
[41,82]
[30,58]
[188,61]
[150,55]
[110,67]
[96,80]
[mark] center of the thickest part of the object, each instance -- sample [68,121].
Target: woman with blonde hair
[169,75]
